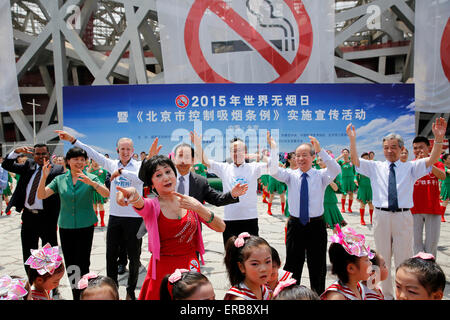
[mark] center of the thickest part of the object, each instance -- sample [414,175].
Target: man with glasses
[39,217]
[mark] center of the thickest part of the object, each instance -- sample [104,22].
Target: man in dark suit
[39,217]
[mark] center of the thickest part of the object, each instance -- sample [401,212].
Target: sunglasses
[41,154]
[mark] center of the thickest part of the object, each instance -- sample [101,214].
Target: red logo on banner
[445,50]
[182,101]
[288,72]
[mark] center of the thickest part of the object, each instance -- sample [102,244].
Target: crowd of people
[163,197]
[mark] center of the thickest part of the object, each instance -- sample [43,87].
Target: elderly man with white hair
[393,184]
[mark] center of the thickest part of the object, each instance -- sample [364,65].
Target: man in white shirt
[392,185]
[241,216]
[306,234]
[124,222]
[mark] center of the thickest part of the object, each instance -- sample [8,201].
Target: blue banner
[100,115]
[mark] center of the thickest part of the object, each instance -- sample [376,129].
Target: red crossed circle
[182,101]
[288,72]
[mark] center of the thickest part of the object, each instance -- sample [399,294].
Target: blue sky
[91,114]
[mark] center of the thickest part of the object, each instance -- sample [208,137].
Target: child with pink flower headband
[419,278]
[183,284]
[350,262]
[14,288]
[248,260]
[97,287]
[46,270]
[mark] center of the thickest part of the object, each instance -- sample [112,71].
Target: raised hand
[46,168]
[271,141]
[315,143]
[350,130]
[239,190]
[63,135]
[154,149]
[439,128]
[29,150]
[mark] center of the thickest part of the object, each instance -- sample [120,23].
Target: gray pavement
[271,228]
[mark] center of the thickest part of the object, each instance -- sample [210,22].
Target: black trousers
[76,245]
[35,227]
[121,233]
[310,242]
[235,227]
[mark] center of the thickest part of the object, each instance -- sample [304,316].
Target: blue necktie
[392,189]
[304,200]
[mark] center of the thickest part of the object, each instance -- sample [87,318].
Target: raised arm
[106,163]
[274,169]
[44,192]
[199,155]
[439,128]
[9,162]
[351,133]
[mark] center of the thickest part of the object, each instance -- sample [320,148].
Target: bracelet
[134,201]
[74,141]
[211,219]
[439,143]
[137,199]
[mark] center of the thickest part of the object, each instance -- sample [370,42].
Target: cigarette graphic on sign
[264,13]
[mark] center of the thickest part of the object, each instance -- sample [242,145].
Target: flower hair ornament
[283,284]
[46,259]
[424,256]
[174,277]
[353,243]
[84,281]
[12,289]
[240,240]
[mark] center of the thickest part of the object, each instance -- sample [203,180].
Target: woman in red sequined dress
[172,221]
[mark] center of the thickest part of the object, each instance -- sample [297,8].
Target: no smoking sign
[284,51]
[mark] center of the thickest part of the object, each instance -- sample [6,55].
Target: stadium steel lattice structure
[105,42]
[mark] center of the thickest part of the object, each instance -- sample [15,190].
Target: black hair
[233,255]
[429,273]
[40,145]
[182,145]
[340,259]
[33,274]
[148,168]
[275,256]
[376,258]
[364,154]
[445,156]
[183,288]
[101,281]
[76,152]
[297,292]
[423,139]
